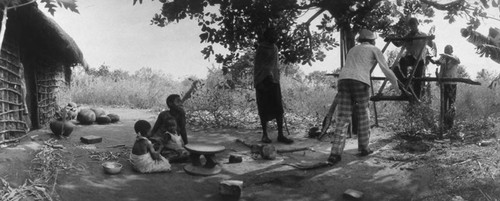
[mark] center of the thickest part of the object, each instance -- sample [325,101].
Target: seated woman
[144,158]
[169,143]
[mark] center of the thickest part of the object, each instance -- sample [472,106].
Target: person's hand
[429,59]
[402,89]
[155,156]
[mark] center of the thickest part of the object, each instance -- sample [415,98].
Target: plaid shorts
[353,97]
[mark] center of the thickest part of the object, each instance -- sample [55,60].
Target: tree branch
[308,6]
[445,6]
[307,24]
[314,16]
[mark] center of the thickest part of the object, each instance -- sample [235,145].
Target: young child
[144,158]
[169,143]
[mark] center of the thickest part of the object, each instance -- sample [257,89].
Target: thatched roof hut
[35,67]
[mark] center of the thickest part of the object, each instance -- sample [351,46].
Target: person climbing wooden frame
[412,63]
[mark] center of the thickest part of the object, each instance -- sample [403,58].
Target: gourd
[61,126]
[99,112]
[103,120]
[86,116]
[114,117]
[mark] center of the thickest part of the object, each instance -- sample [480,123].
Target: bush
[217,105]
[306,101]
[146,89]
[476,102]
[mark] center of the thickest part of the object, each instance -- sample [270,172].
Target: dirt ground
[442,170]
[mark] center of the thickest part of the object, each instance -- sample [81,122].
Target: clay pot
[114,117]
[64,128]
[86,116]
[99,112]
[103,120]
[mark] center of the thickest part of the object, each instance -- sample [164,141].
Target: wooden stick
[435,79]
[328,118]
[431,37]
[115,146]
[13,140]
[4,25]
[19,110]
[280,151]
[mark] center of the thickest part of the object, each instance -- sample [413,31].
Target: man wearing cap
[416,51]
[353,93]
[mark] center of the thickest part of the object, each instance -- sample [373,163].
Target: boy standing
[449,67]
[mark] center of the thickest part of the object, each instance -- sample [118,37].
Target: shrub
[145,89]
[216,105]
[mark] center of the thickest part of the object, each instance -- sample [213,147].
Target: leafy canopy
[236,24]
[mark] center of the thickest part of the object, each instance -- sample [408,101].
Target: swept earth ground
[398,170]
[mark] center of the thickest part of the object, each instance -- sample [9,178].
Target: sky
[117,34]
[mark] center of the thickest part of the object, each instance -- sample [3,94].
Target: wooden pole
[4,25]
[442,103]
[371,86]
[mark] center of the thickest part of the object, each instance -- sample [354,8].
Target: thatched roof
[42,37]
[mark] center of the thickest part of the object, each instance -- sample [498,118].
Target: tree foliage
[236,24]
[51,5]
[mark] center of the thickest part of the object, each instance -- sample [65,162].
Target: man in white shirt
[353,94]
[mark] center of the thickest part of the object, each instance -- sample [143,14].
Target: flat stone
[91,139]
[353,194]
[231,188]
[235,158]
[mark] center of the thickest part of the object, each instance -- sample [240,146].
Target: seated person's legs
[144,157]
[171,144]
[174,151]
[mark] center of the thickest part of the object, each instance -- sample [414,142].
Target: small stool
[208,151]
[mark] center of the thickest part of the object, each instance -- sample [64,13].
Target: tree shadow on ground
[277,181]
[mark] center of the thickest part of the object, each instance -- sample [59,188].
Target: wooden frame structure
[409,94]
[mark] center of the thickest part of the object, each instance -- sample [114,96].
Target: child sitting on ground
[169,143]
[144,158]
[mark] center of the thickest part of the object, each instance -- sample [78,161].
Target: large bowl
[112,167]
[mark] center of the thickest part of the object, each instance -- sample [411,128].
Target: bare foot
[266,139]
[285,140]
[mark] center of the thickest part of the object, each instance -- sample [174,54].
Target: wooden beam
[434,79]
[388,98]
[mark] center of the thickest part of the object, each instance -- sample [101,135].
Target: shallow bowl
[112,167]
